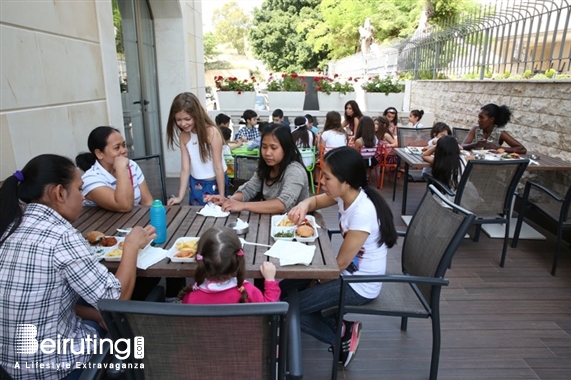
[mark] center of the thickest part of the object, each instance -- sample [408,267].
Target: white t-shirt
[333,139]
[371,259]
[97,176]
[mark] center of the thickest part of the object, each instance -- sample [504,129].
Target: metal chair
[487,189]
[387,160]
[427,251]
[152,168]
[411,137]
[371,161]
[243,341]
[308,156]
[557,213]
[244,168]
[460,134]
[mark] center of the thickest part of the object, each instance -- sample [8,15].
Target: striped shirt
[45,266]
[97,176]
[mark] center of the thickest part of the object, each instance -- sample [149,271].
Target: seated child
[221,271]
[229,145]
[258,140]
[222,120]
[248,133]
[438,130]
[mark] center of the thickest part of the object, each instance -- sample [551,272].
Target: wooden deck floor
[497,323]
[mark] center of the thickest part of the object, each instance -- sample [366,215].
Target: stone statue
[366,35]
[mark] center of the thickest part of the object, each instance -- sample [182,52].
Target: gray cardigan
[290,189]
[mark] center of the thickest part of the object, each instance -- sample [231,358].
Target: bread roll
[500,150]
[95,237]
[304,231]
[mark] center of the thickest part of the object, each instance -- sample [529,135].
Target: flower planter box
[286,100]
[334,101]
[233,101]
[378,101]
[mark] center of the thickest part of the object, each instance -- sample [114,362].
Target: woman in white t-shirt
[368,230]
[111,180]
[333,134]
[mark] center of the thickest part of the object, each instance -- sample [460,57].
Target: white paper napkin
[291,253]
[533,162]
[213,210]
[240,224]
[150,256]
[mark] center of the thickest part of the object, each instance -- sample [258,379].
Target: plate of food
[184,250]
[284,229]
[101,245]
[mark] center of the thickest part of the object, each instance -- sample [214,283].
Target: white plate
[107,250]
[173,251]
[491,157]
[100,251]
[276,219]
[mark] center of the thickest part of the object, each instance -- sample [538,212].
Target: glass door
[138,77]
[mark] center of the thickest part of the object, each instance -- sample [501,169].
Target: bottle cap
[157,202]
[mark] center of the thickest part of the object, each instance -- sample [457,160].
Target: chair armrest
[530,184]
[294,354]
[156,295]
[431,180]
[331,231]
[403,278]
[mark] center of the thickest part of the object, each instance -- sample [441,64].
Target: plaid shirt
[250,133]
[45,266]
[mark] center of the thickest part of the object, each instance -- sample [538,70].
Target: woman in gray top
[281,177]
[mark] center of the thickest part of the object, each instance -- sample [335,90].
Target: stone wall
[541,114]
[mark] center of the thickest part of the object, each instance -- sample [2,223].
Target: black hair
[262,125]
[347,165]
[438,128]
[501,114]
[300,134]
[278,113]
[226,133]
[311,119]
[391,110]
[249,114]
[291,153]
[366,131]
[446,164]
[219,248]
[356,110]
[97,140]
[40,172]
[384,124]
[417,113]
[221,118]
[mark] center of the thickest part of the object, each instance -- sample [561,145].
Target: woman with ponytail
[46,266]
[368,230]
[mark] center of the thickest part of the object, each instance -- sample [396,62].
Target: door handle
[144,101]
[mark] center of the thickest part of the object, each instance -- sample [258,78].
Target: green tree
[209,43]
[278,35]
[118,23]
[231,25]
[339,28]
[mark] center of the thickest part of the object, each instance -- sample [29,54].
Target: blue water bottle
[159,221]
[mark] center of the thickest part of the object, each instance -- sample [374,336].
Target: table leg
[405,188]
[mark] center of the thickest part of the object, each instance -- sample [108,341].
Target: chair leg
[477,233]
[517,231]
[311,181]
[505,247]
[557,249]
[403,323]
[435,345]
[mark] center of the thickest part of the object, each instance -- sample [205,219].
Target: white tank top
[199,169]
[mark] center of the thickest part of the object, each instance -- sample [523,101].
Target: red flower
[316,79]
[239,92]
[284,75]
[335,76]
[350,78]
[355,80]
[294,75]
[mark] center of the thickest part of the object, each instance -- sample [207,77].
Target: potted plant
[235,94]
[286,91]
[381,93]
[333,93]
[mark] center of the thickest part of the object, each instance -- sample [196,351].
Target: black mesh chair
[557,213]
[427,251]
[487,189]
[152,167]
[240,341]
[460,134]
[244,168]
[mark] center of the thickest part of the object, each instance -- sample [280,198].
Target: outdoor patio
[510,323]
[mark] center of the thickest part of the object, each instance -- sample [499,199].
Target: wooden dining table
[413,159]
[184,221]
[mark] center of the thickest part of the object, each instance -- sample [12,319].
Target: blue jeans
[321,297]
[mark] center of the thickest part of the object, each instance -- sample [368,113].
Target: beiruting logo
[26,343]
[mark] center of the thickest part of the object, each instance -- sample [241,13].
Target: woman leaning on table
[489,135]
[281,177]
[111,180]
[46,265]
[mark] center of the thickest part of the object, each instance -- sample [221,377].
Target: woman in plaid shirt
[46,266]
